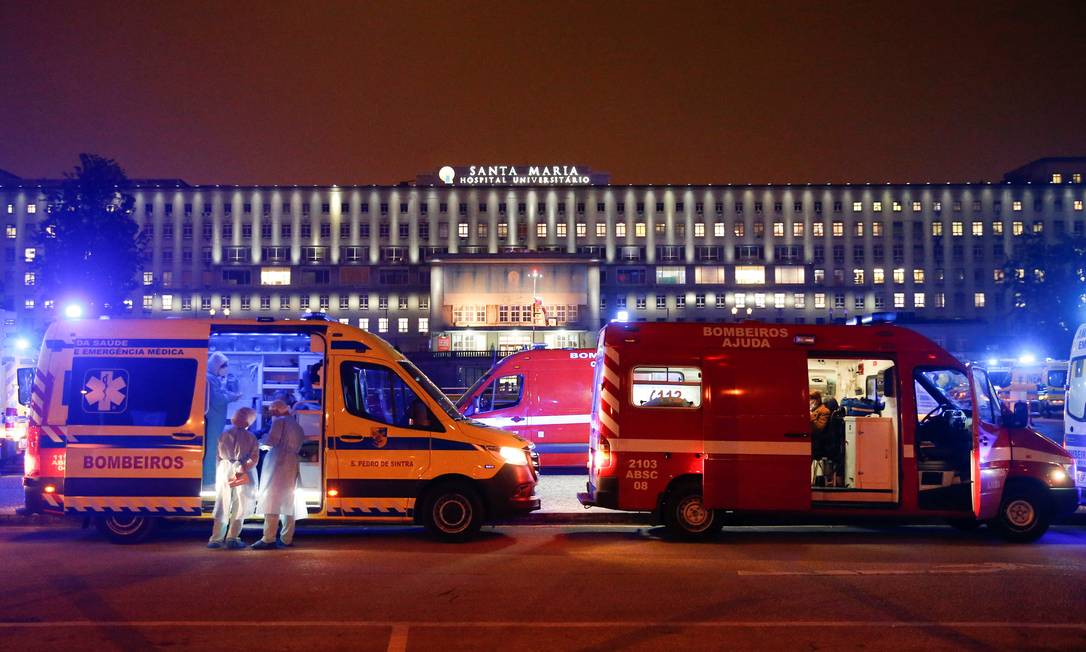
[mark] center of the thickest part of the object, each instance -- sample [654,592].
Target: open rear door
[757,432]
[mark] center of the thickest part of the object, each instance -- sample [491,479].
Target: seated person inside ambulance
[820,414]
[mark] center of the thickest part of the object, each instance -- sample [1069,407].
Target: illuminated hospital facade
[498,257]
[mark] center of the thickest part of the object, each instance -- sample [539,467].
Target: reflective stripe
[611,376]
[732,447]
[656,445]
[609,423]
[1028,454]
[184,504]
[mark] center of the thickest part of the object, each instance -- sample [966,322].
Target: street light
[73,311]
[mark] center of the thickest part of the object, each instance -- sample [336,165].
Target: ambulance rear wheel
[453,512]
[126,528]
[687,518]
[1023,516]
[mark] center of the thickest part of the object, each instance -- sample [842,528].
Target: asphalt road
[548,588]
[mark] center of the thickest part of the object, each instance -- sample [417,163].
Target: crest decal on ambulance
[105,390]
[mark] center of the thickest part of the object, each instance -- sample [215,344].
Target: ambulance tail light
[603,454]
[32,456]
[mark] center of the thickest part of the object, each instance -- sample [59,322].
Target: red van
[543,395]
[692,420]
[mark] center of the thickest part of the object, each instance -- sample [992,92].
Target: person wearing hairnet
[217,398]
[277,499]
[235,480]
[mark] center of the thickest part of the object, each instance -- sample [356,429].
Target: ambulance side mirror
[26,381]
[889,383]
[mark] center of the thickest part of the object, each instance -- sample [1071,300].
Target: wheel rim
[124,525]
[693,515]
[452,513]
[1020,514]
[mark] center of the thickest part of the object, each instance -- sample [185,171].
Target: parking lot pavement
[11,493]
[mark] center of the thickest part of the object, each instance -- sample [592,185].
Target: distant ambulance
[117,426]
[1051,393]
[1074,415]
[543,395]
[691,421]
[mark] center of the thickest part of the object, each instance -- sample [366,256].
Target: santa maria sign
[515,175]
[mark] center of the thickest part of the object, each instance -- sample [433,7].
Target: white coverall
[238,452]
[278,501]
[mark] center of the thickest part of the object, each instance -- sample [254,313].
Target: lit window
[857,206]
[896,206]
[759,300]
[10,232]
[799,300]
[275,276]
[541,230]
[620,230]
[899,275]
[739,230]
[401,325]
[11,209]
[1057,177]
[978,299]
[167,302]
[718,228]
[639,230]
[29,278]
[462,230]
[838,229]
[937,228]
[1038,227]
[749,275]
[918,276]
[937,206]
[401,302]
[560,230]
[797,229]
[940,300]
[28,304]
[899,299]
[857,277]
[818,229]
[877,206]
[31,208]
[1017,228]
[670,275]
[704,274]
[918,300]
[998,275]
[424,324]
[957,229]
[916,206]
[1076,177]
[876,229]
[1016,205]
[699,229]
[978,228]
[382,324]
[364,323]
[148,302]
[878,275]
[148,278]
[778,299]
[778,229]
[601,230]
[859,229]
[1078,204]
[997,228]
[789,274]
[819,300]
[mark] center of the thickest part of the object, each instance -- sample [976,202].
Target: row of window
[798,300]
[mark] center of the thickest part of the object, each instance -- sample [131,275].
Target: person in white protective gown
[278,499]
[235,480]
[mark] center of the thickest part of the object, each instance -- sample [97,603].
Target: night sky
[376,92]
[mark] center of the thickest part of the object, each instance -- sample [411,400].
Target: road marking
[397,640]
[492,624]
[948,569]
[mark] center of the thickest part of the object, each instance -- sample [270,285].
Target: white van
[118,426]
[1074,410]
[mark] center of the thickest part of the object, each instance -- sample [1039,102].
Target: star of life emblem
[105,390]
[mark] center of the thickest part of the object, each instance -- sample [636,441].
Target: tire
[1024,514]
[686,517]
[452,512]
[126,529]
[964,524]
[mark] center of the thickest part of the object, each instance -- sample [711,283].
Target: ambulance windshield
[436,394]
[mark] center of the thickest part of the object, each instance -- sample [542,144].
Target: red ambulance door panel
[991,448]
[757,431]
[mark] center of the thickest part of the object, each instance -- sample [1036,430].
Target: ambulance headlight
[1062,474]
[509,454]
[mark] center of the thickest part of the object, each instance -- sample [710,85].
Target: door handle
[351,438]
[797,435]
[184,436]
[516,419]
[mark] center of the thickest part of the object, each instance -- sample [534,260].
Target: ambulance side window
[131,391]
[377,393]
[986,405]
[504,392]
[669,387]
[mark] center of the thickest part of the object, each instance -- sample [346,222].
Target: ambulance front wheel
[126,528]
[686,517]
[1024,514]
[452,512]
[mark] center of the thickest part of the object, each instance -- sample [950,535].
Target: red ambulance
[543,395]
[691,421]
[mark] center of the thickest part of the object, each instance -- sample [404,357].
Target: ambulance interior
[854,455]
[264,367]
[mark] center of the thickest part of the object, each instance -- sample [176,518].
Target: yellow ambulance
[119,426]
